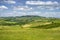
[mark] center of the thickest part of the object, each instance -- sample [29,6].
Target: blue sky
[46,8]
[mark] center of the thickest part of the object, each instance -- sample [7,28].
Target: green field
[29,34]
[29,28]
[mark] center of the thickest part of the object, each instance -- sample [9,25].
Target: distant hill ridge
[27,16]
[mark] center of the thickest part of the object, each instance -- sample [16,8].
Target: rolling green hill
[30,21]
[29,28]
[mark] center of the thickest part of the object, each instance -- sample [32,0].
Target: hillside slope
[30,21]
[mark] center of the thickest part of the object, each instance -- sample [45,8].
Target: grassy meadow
[29,28]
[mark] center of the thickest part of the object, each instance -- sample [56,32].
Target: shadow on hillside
[49,26]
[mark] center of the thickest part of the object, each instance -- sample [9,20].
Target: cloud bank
[22,8]
[41,3]
[49,5]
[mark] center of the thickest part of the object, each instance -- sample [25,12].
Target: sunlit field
[33,28]
[17,33]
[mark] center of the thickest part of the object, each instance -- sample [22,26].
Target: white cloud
[41,3]
[23,8]
[49,5]
[3,7]
[10,1]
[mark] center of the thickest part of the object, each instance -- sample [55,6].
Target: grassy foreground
[17,33]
